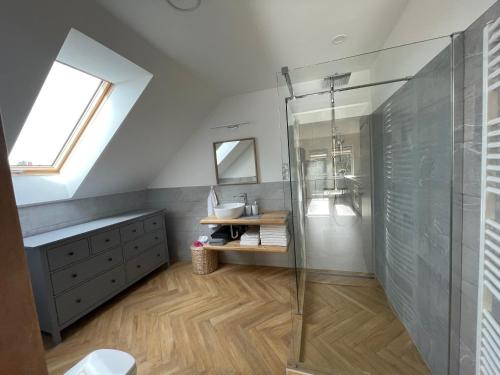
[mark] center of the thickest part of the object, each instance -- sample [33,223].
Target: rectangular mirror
[235,162]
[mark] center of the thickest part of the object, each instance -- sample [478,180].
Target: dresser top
[79,229]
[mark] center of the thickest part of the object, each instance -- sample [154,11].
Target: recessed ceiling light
[184,5]
[339,39]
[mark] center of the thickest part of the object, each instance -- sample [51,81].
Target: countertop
[84,228]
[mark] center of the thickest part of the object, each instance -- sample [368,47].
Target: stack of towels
[250,237]
[274,235]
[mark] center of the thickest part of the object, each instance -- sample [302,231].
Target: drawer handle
[78,300]
[74,276]
[138,266]
[154,222]
[156,238]
[110,259]
[71,253]
[107,240]
[134,230]
[136,247]
[158,255]
[113,281]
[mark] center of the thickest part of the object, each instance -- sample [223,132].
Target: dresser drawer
[105,240]
[132,231]
[154,238]
[64,255]
[135,247]
[153,223]
[69,277]
[75,302]
[145,262]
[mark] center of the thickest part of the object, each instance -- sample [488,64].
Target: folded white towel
[251,234]
[272,243]
[281,235]
[256,243]
[250,243]
[274,235]
[270,230]
[249,240]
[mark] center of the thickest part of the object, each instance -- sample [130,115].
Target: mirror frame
[255,160]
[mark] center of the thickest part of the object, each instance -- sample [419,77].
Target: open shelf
[236,246]
[267,218]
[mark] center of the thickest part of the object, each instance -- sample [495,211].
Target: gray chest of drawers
[76,269]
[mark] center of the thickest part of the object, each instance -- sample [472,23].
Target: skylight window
[66,104]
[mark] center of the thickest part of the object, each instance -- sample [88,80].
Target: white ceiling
[237,46]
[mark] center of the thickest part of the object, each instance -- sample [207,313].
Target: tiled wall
[45,217]
[471,188]
[412,208]
[187,205]
[466,194]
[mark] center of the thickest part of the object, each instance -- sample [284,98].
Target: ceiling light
[339,39]
[184,5]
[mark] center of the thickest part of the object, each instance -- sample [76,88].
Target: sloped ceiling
[223,48]
[238,45]
[171,107]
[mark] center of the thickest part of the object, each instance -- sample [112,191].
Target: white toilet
[105,362]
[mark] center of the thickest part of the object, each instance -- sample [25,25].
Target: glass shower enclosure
[369,142]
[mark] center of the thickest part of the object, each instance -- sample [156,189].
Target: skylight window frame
[88,114]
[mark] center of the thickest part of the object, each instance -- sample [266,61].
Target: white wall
[194,165]
[421,20]
[424,19]
[172,106]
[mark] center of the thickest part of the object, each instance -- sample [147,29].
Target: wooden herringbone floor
[238,321]
[234,321]
[349,328]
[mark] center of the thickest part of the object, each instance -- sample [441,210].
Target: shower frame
[455,250]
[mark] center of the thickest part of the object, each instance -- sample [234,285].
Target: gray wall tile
[412,236]
[45,217]
[188,205]
[473,101]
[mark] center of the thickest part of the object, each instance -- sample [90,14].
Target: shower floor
[349,328]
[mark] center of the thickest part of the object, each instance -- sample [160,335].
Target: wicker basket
[204,261]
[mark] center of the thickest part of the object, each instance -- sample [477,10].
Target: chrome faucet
[244,196]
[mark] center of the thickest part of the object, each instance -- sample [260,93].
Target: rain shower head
[338,80]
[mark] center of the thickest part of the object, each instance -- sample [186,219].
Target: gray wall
[470,189]
[466,194]
[412,206]
[50,216]
[186,206]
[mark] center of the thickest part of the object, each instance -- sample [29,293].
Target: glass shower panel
[370,152]
[333,173]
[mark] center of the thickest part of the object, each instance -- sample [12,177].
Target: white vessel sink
[229,210]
